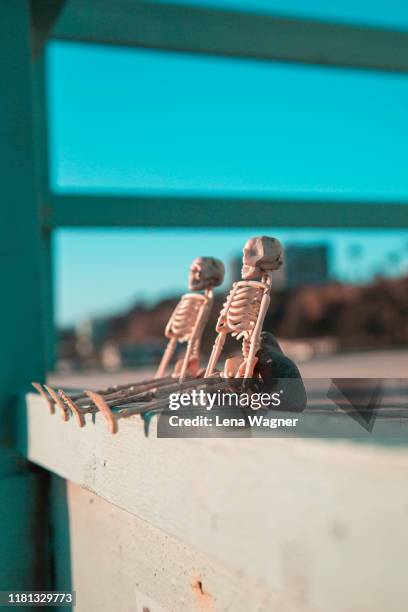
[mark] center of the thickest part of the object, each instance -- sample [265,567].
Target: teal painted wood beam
[21,308]
[40,115]
[82,210]
[231,33]
[24,533]
[22,345]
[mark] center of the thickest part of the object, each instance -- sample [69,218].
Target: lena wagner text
[254,420]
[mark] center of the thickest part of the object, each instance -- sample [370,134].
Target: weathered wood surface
[323,525]
[120,562]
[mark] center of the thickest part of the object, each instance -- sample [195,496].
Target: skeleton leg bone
[120,408]
[80,396]
[48,398]
[256,337]
[195,340]
[82,403]
[134,387]
[58,401]
[167,355]
[88,405]
[78,413]
[91,406]
[215,354]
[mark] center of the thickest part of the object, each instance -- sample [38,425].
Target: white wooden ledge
[319,524]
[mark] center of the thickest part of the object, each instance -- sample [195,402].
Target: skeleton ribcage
[239,316]
[184,317]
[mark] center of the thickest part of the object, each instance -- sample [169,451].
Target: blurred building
[90,335]
[306,265]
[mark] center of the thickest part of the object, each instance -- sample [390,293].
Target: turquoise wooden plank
[41,143]
[23,538]
[21,310]
[231,33]
[82,210]
[22,346]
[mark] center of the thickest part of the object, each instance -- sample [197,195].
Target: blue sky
[136,120]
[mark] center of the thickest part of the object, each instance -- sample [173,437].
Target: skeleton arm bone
[193,346]
[170,348]
[222,329]
[256,334]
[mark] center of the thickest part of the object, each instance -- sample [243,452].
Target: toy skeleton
[190,316]
[244,311]
[186,325]
[242,316]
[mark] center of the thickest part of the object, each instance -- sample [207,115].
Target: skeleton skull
[260,254]
[205,273]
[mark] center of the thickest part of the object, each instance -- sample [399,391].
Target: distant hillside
[374,315]
[366,316]
[359,316]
